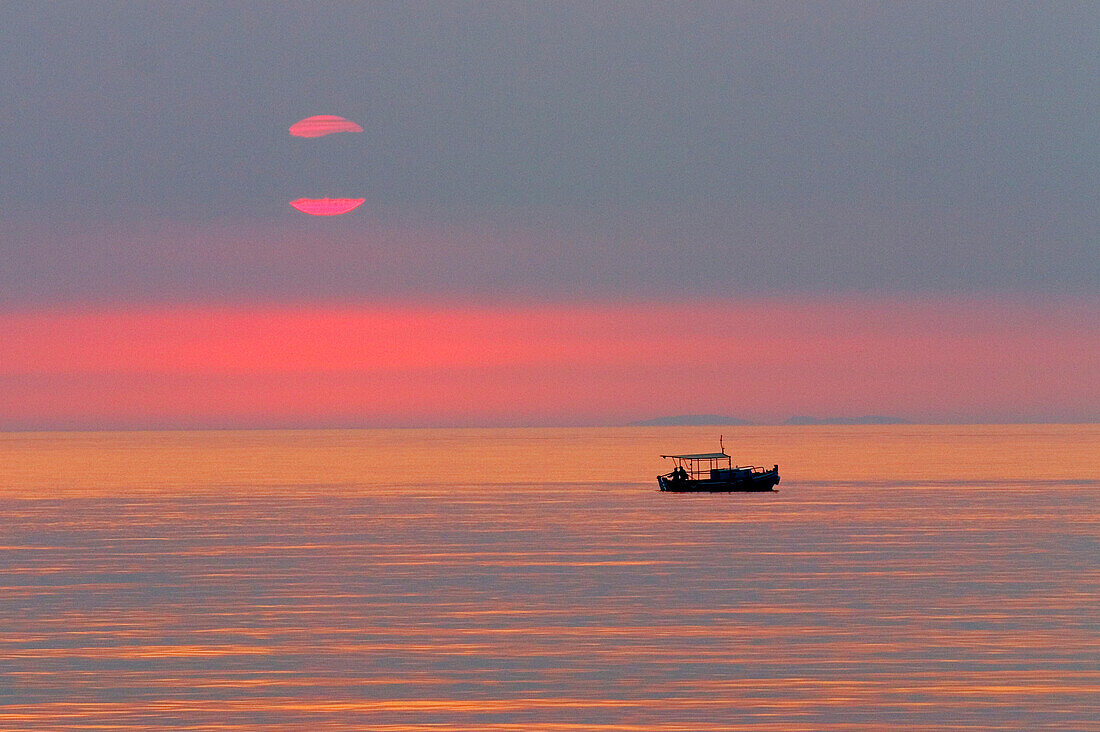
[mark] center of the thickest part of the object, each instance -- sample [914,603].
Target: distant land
[690,420]
[869,419]
[707,420]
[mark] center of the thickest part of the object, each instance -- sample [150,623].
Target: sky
[636,209]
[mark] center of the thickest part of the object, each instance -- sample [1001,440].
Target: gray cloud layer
[559,148]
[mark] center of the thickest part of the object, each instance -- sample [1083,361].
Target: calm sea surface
[914,578]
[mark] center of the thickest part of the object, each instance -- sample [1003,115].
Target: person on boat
[679,473]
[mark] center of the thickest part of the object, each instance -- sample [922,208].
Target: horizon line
[526,426]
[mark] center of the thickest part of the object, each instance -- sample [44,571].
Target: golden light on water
[37,464]
[902,578]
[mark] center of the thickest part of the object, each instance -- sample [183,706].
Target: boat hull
[756,483]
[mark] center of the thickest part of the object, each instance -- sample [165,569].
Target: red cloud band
[595,363]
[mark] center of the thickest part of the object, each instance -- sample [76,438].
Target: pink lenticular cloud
[326,206]
[320,125]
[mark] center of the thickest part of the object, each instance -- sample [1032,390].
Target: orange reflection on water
[433,461]
[349,580]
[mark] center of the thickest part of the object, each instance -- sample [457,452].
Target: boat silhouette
[714,472]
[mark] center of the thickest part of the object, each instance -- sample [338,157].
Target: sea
[902,577]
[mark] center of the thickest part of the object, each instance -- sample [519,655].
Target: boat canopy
[699,456]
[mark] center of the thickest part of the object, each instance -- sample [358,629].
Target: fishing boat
[714,472]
